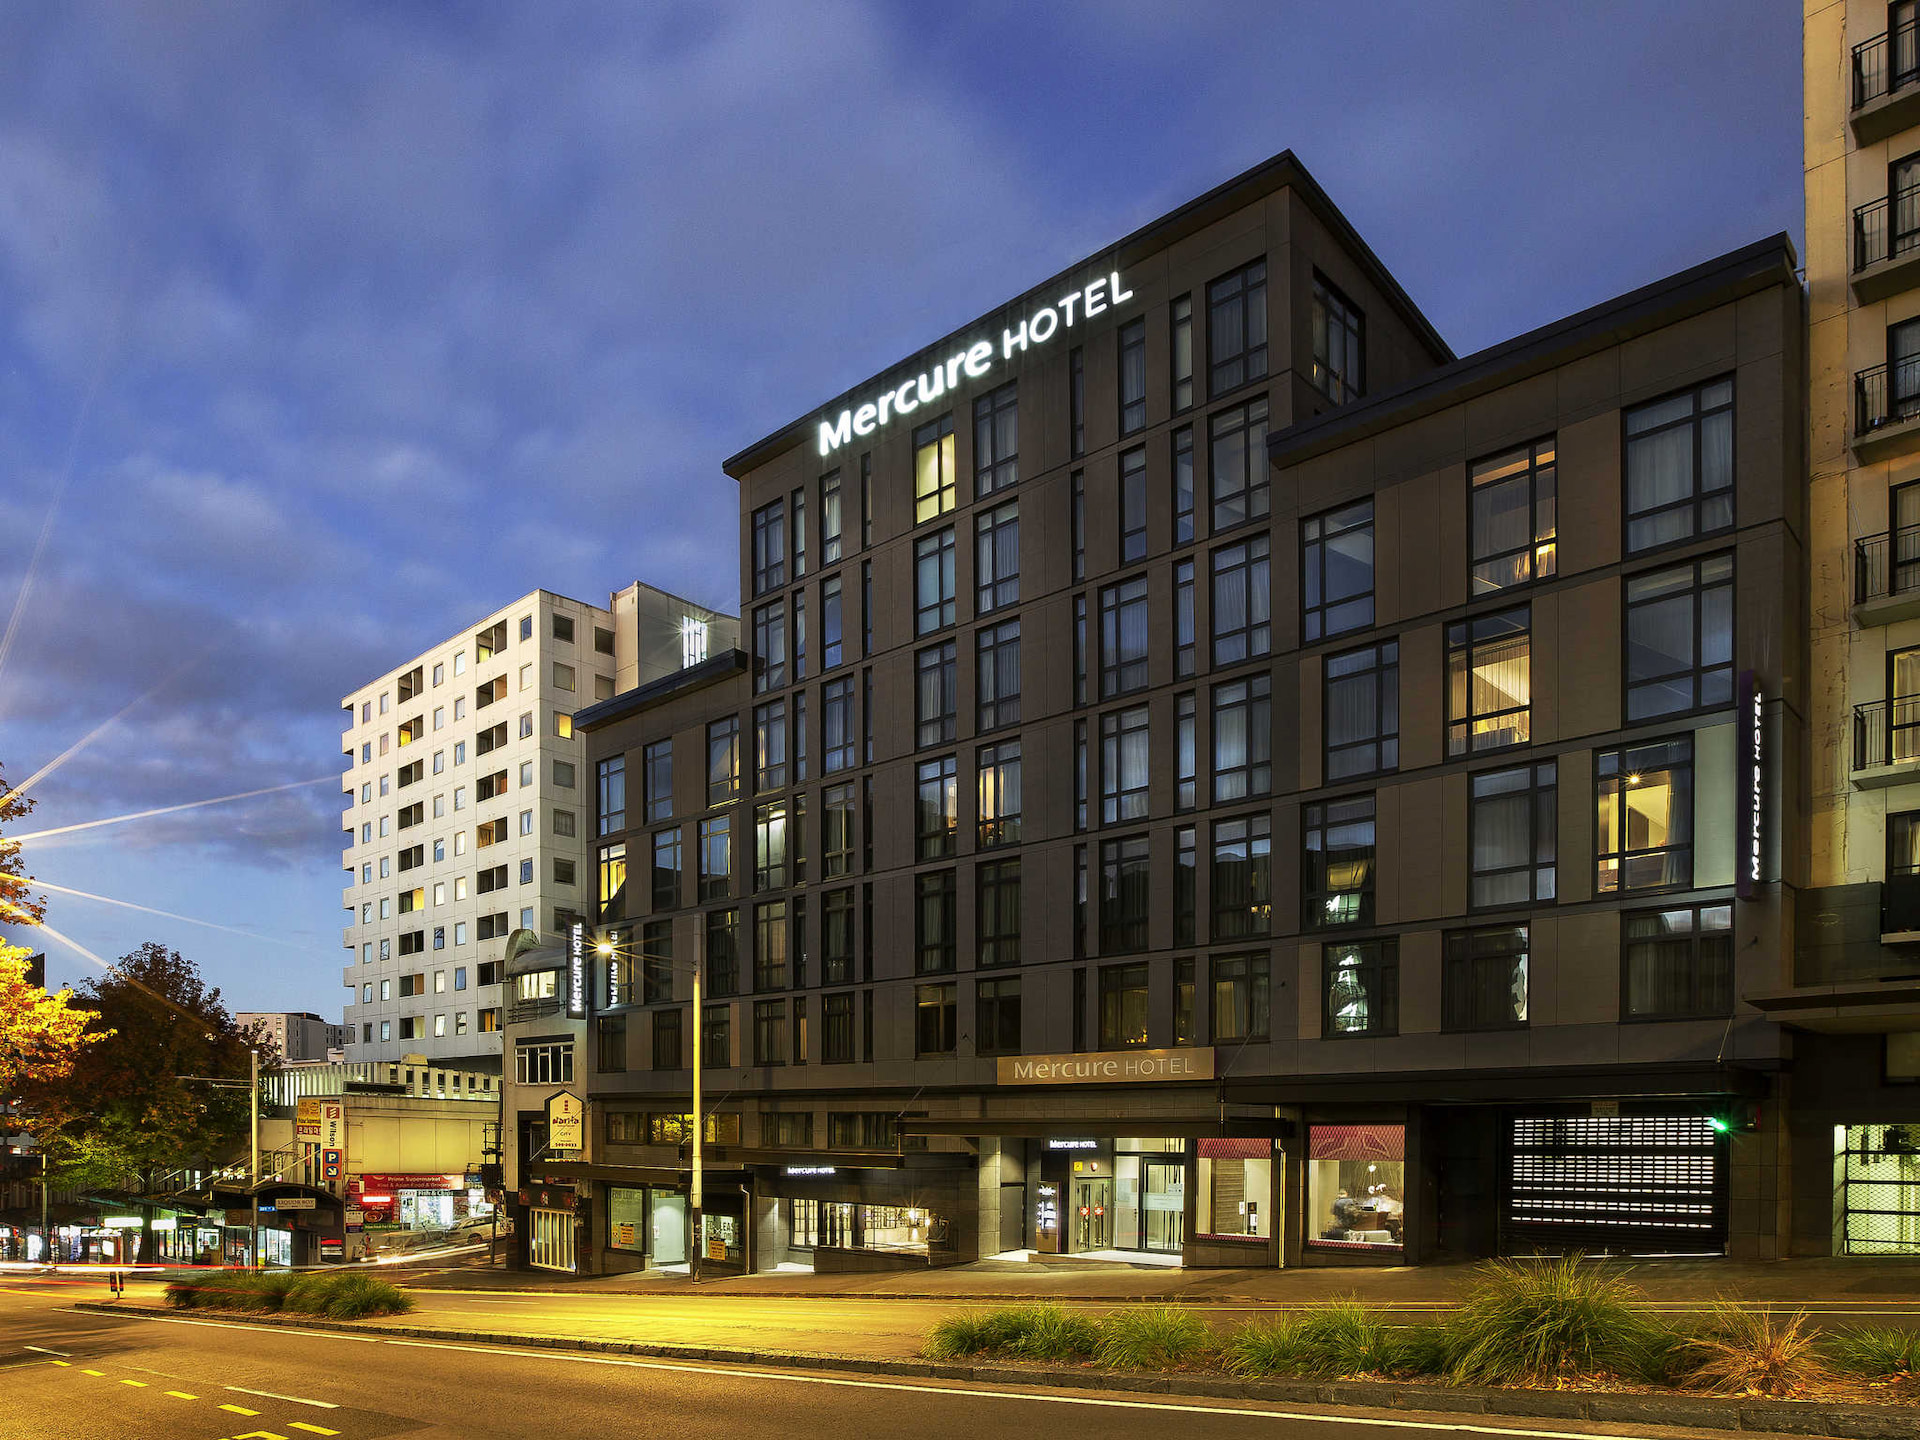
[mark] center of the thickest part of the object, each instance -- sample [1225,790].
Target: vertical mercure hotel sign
[1750,862]
[577,971]
[976,362]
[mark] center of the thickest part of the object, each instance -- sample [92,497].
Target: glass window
[836,825]
[723,954]
[1123,637]
[1123,1006]
[830,518]
[1077,489]
[1240,998]
[998,803]
[1680,466]
[1339,344]
[1680,639]
[1183,485]
[1133,376]
[832,624]
[770,951]
[1678,963]
[1336,571]
[1489,682]
[769,547]
[723,761]
[770,745]
[996,558]
[996,440]
[836,1028]
[1362,987]
[996,1016]
[770,846]
[937,809]
[934,921]
[1337,854]
[997,677]
[1186,752]
[997,902]
[1511,836]
[1237,328]
[933,478]
[1125,879]
[1077,400]
[933,582]
[716,857]
[1186,866]
[1356,1186]
[769,1032]
[613,882]
[1512,521]
[1234,1185]
[935,701]
[1644,816]
[612,797]
[770,647]
[1242,877]
[658,758]
[1238,476]
[836,937]
[934,1019]
[836,720]
[1123,765]
[1483,980]
[1242,602]
[1362,715]
[1243,738]
[1180,335]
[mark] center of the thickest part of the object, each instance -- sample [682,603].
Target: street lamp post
[695,1189]
[253,1164]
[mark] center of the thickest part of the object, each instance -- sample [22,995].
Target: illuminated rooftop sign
[975,362]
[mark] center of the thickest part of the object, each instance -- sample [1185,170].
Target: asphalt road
[81,1376]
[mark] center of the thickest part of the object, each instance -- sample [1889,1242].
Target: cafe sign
[1108,1067]
[566,1122]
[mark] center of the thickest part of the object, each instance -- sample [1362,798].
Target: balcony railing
[1886,732]
[1887,229]
[1886,395]
[1886,64]
[1886,565]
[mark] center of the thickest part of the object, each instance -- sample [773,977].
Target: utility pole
[46,1234]
[253,1166]
[699,1134]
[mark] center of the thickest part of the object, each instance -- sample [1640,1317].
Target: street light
[695,1194]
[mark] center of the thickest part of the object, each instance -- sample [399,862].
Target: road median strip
[1797,1417]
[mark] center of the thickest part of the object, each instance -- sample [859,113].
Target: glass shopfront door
[1163,1205]
[1092,1214]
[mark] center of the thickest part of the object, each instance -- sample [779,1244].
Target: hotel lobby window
[933,461]
[1644,817]
[1356,1186]
[1235,1194]
[1512,520]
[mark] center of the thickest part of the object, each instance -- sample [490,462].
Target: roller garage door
[1632,1183]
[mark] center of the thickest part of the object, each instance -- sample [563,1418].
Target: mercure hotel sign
[976,362]
[1107,1067]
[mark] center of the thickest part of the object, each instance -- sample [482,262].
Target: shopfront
[838,1217]
[418,1202]
[1878,1167]
[1098,1194]
[1356,1191]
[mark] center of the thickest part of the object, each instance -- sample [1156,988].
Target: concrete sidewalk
[1893,1282]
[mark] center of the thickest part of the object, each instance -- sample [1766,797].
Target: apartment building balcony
[1856,960]
[1886,410]
[1886,84]
[1886,742]
[1886,577]
[1886,246]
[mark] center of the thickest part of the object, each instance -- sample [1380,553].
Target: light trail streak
[168,914]
[100,729]
[173,809]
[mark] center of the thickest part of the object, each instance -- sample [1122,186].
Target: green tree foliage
[139,1101]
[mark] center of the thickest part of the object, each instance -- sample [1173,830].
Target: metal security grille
[550,1245]
[1615,1183]
[1880,1190]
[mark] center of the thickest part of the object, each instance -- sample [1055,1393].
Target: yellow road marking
[100,1373]
[141,1383]
[239,1410]
[64,1364]
[260,1435]
[315,1429]
[182,1395]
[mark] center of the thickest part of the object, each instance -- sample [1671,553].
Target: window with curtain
[1123,1006]
[1243,738]
[1678,963]
[996,558]
[1362,711]
[935,700]
[1644,816]
[997,676]
[1242,877]
[933,478]
[1680,639]
[1185,649]
[1361,984]
[933,582]
[1240,998]
[937,809]
[1336,571]
[998,803]
[1337,852]
[1237,328]
[1183,485]
[996,440]
[1123,637]
[1679,464]
[1133,505]
[770,647]
[1489,682]
[1238,469]
[934,928]
[1123,765]
[1512,518]
[1133,376]
[1511,824]
[1483,979]
[1125,881]
[1242,602]
[1339,344]
[997,913]
[996,1016]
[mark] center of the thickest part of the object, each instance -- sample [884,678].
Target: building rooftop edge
[1274,173]
[1752,267]
[710,671]
[538,590]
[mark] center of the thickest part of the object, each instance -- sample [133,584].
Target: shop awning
[1503,1087]
[1158,1126]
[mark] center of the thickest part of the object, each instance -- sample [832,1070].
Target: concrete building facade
[296,1035]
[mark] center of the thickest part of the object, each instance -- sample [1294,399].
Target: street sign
[321,1121]
[566,1121]
[296,1202]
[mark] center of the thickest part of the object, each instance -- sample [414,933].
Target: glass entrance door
[1163,1210]
[1092,1215]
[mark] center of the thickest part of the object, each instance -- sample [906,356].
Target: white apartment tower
[469,810]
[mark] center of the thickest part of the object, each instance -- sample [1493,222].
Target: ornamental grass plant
[337,1295]
[346,1295]
[1341,1338]
[1873,1351]
[1042,1331]
[1531,1322]
[1745,1350]
[1153,1337]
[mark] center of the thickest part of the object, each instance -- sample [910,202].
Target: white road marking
[43,1350]
[291,1399]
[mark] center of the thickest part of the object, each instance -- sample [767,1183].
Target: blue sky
[333,327]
